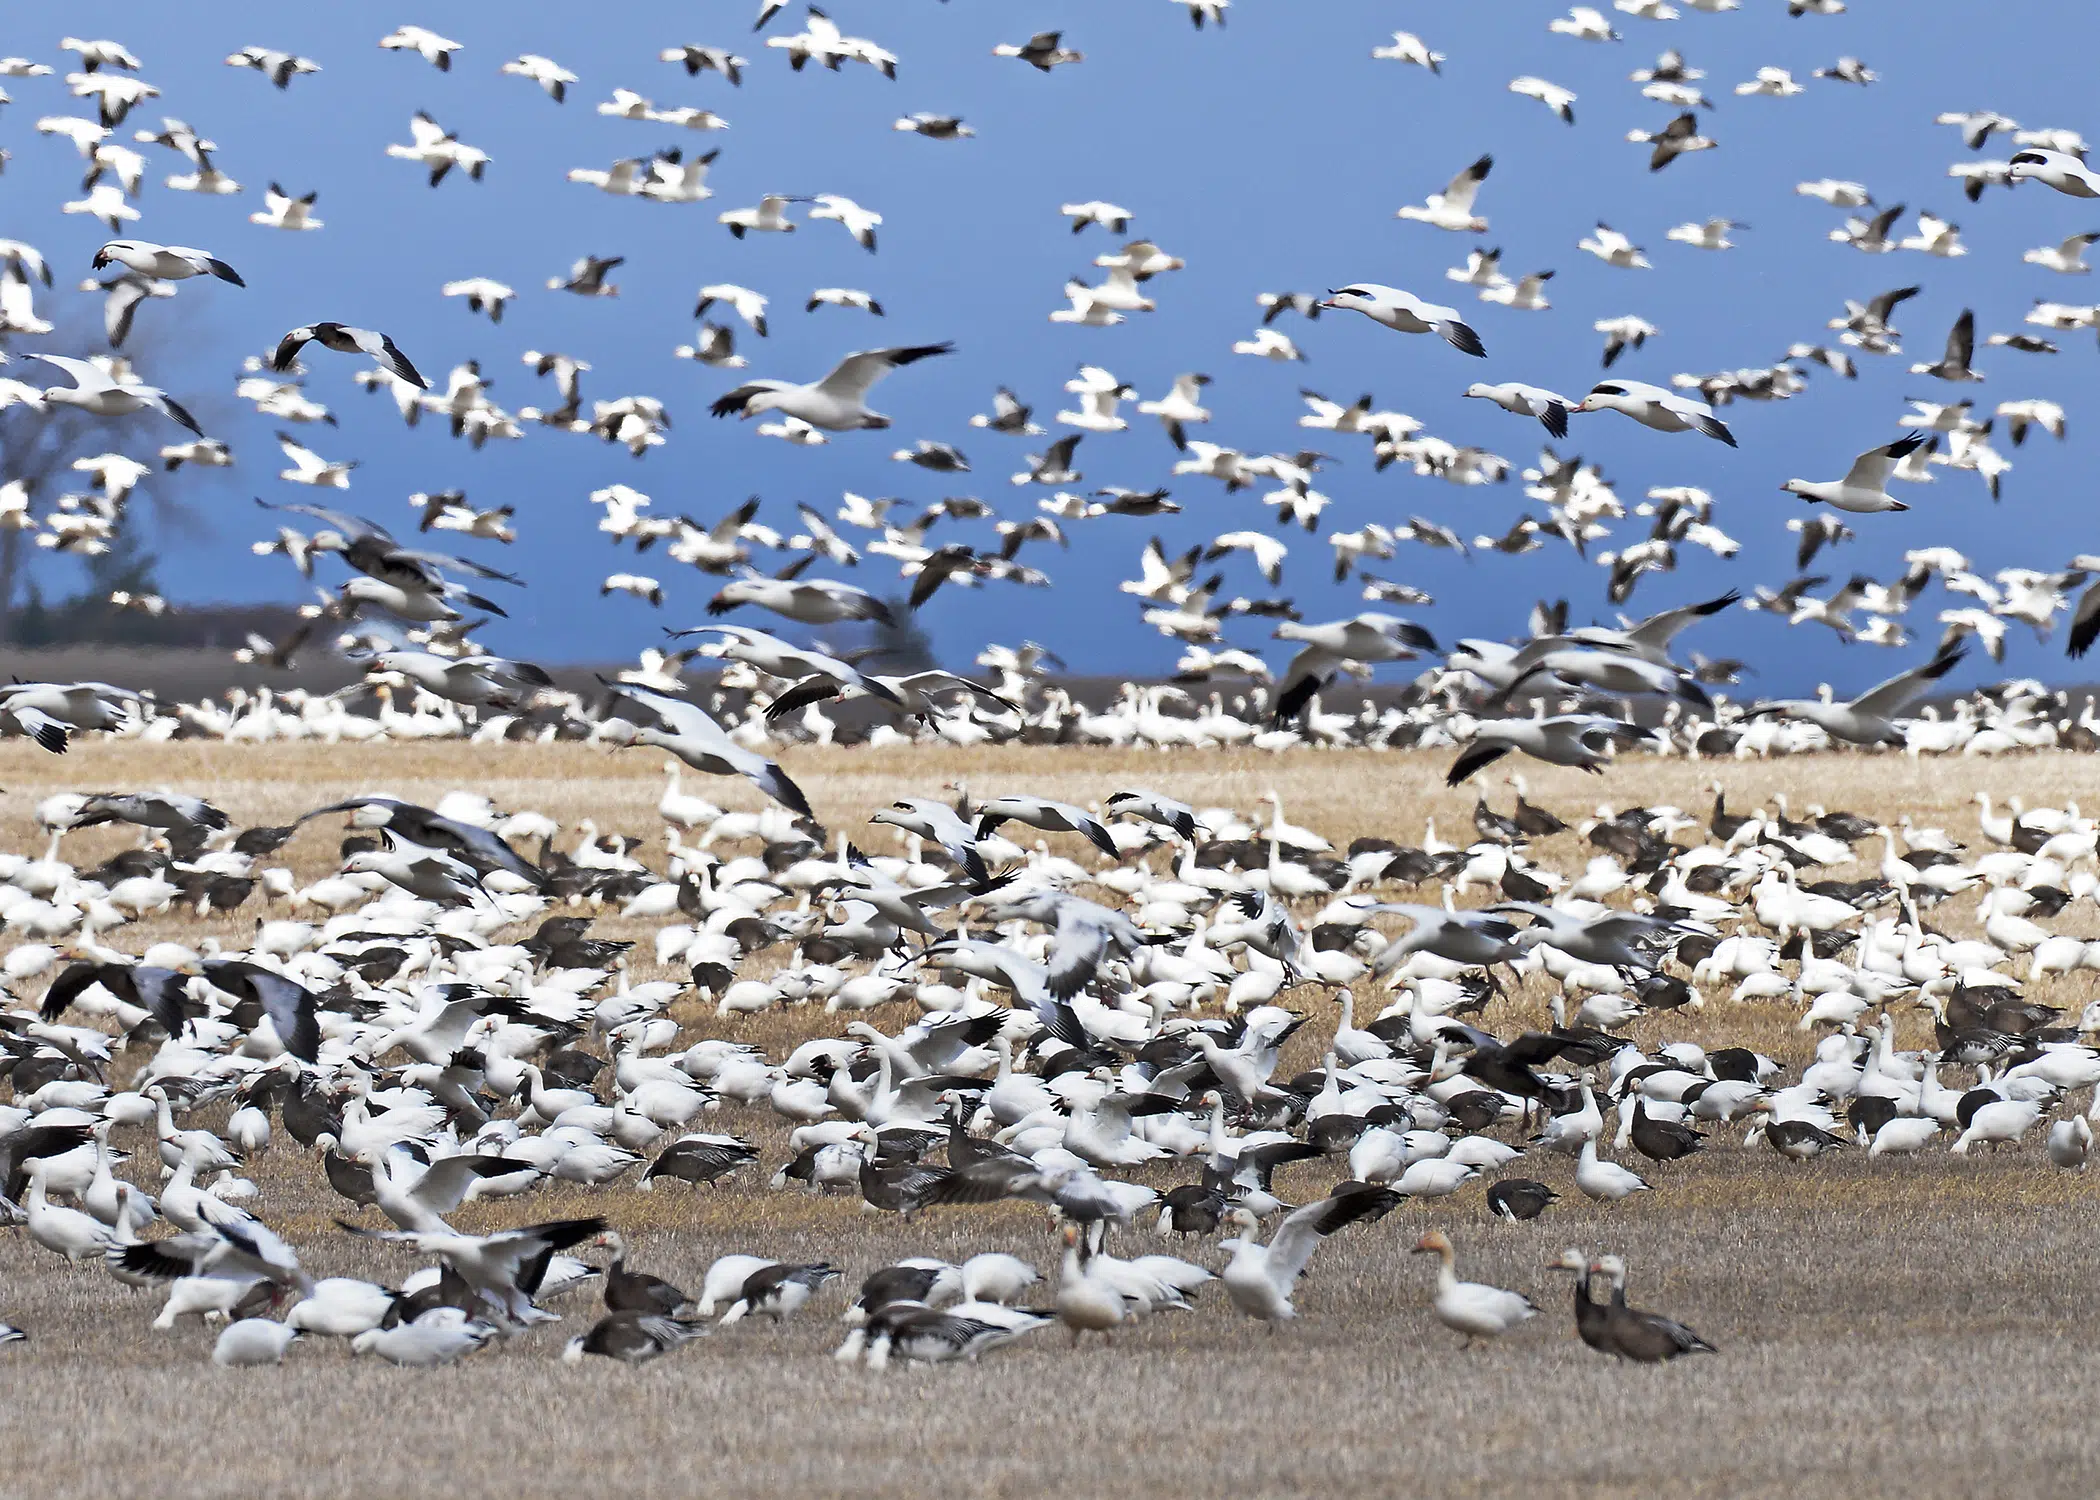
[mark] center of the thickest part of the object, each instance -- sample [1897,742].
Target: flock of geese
[1094,1029]
[1090,1022]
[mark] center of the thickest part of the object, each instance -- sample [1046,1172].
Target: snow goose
[1954,364]
[100,393]
[700,59]
[165,262]
[859,222]
[279,67]
[496,1266]
[778,1291]
[1614,249]
[1869,719]
[1654,407]
[1604,1180]
[1468,1307]
[1085,1303]
[692,735]
[1260,1278]
[2070,1143]
[253,1341]
[346,340]
[1452,209]
[341,1307]
[1406,47]
[632,1338]
[1864,489]
[1043,51]
[1406,313]
[441,1336]
[836,403]
[1644,1337]
[1517,1198]
[2057,169]
[1561,101]
[544,71]
[935,127]
[1996,1123]
[434,49]
[1523,400]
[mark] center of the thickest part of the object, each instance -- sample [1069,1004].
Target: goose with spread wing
[836,403]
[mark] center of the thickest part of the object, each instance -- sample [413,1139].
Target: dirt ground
[1922,1325]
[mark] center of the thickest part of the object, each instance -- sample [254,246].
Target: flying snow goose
[1614,249]
[97,392]
[1043,51]
[498,1265]
[836,403]
[1406,313]
[935,127]
[1869,719]
[1681,135]
[1561,101]
[1961,348]
[344,339]
[281,210]
[308,467]
[842,296]
[1711,235]
[1864,489]
[165,262]
[859,222]
[700,59]
[2057,169]
[279,67]
[692,735]
[1585,24]
[1406,47]
[1453,208]
[1652,406]
[544,71]
[1260,1278]
[1527,401]
[1468,1307]
[434,49]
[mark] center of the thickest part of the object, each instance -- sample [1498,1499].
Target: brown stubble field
[1920,1325]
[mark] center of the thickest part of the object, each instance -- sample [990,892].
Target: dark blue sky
[1270,155]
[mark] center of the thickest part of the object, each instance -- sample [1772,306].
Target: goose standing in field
[1644,1337]
[1467,1307]
[1261,1278]
[836,403]
[1592,1317]
[1605,1181]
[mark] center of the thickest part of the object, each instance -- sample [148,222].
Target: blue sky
[1269,155]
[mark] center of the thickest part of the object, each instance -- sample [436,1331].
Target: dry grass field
[1918,1325]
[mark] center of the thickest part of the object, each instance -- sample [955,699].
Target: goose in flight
[691,734]
[96,391]
[1406,47]
[1260,1278]
[1580,740]
[586,277]
[1561,101]
[165,262]
[497,1266]
[811,601]
[281,210]
[308,467]
[837,403]
[1652,406]
[697,60]
[1869,719]
[1961,347]
[1453,208]
[935,127]
[1043,51]
[544,71]
[2067,258]
[2056,169]
[434,49]
[745,303]
[1681,135]
[1865,488]
[859,222]
[1527,401]
[484,294]
[279,67]
[344,339]
[1406,313]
